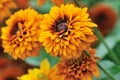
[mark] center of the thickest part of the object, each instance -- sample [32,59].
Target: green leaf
[115,69]
[41,9]
[36,60]
[107,66]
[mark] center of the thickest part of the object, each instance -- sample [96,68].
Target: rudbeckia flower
[20,36]
[66,30]
[104,16]
[81,68]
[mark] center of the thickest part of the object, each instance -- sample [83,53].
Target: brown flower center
[75,68]
[16,28]
[101,18]
[61,26]
[10,78]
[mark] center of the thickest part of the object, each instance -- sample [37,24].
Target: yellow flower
[20,36]
[5,7]
[44,73]
[67,29]
[82,68]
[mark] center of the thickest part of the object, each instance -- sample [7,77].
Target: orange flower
[41,2]
[55,2]
[11,73]
[58,2]
[5,7]
[22,3]
[20,36]
[81,68]
[104,16]
[64,33]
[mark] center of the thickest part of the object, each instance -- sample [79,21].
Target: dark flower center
[15,28]
[61,26]
[10,78]
[102,17]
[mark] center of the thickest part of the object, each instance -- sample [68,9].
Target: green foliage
[41,9]
[36,60]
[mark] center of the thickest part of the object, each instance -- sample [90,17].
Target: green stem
[77,4]
[100,37]
[105,71]
[88,54]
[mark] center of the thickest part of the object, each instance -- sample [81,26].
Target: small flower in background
[10,69]
[22,3]
[20,36]
[41,2]
[104,16]
[44,73]
[11,73]
[5,7]
[67,30]
[81,68]
[55,2]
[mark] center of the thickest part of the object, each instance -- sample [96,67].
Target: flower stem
[77,4]
[111,77]
[88,54]
[100,37]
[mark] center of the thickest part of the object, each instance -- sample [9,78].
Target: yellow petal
[45,66]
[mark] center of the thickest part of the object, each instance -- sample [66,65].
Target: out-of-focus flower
[3,62]
[11,73]
[20,36]
[5,7]
[65,30]
[81,68]
[55,2]
[44,73]
[58,2]
[8,69]
[41,2]
[104,16]
[22,3]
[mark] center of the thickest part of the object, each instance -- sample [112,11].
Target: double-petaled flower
[21,34]
[67,30]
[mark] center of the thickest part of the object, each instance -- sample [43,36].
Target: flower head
[104,16]
[20,36]
[5,7]
[44,73]
[81,68]
[66,29]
